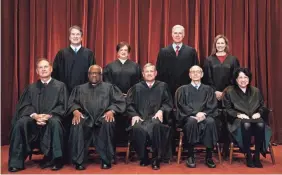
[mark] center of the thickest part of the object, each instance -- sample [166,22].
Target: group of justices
[96,101]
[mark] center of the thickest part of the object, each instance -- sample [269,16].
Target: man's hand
[218,95]
[256,116]
[135,119]
[109,116]
[159,115]
[200,116]
[76,117]
[243,116]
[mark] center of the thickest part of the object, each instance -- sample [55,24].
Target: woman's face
[123,52]
[220,45]
[242,80]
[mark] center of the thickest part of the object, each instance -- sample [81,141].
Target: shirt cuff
[32,115]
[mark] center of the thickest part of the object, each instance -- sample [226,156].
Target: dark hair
[42,59]
[121,44]
[76,27]
[246,71]
[214,44]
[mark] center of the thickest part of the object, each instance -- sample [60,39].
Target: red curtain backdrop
[39,28]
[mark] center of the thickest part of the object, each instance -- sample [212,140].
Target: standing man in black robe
[71,64]
[196,108]
[93,106]
[38,119]
[174,61]
[148,106]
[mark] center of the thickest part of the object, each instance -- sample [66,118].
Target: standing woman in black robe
[123,73]
[247,116]
[218,73]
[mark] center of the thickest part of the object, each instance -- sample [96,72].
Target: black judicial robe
[124,76]
[219,75]
[93,102]
[37,98]
[235,101]
[72,68]
[145,102]
[174,70]
[189,101]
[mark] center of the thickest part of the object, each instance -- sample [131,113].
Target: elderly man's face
[44,69]
[177,35]
[149,73]
[94,74]
[196,73]
[75,37]
[242,80]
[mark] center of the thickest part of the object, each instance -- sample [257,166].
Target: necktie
[197,87]
[45,84]
[177,50]
[150,85]
[75,50]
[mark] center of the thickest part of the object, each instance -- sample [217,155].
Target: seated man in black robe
[148,105]
[196,107]
[93,106]
[38,119]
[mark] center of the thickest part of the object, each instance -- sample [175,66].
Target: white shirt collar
[122,61]
[193,84]
[73,48]
[48,81]
[174,46]
[150,83]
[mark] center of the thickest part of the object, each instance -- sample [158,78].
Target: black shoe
[79,167]
[256,161]
[46,164]
[105,165]
[249,161]
[190,162]
[13,169]
[57,167]
[144,162]
[210,163]
[156,165]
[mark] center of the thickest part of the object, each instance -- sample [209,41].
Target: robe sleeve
[62,103]
[24,106]
[56,64]
[74,102]
[91,59]
[183,110]
[262,109]
[107,74]
[227,104]
[211,104]
[118,103]
[130,103]
[208,74]
[195,57]
[159,65]
[235,66]
[139,74]
[167,103]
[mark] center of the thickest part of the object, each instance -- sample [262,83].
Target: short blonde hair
[42,59]
[76,27]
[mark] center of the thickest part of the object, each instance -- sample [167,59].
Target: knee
[260,125]
[210,121]
[246,125]
[22,122]
[108,124]
[190,122]
[55,122]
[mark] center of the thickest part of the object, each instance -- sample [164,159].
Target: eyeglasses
[196,72]
[94,73]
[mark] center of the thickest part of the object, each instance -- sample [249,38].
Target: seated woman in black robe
[246,116]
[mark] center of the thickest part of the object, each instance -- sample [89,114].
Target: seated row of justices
[93,106]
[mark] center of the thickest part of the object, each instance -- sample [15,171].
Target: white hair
[95,65]
[178,26]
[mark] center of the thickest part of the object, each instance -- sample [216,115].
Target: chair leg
[272,154]
[219,153]
[127,153]
[179,148]
[231,152]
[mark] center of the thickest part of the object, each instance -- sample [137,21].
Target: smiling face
[177,34]
[75,37]
[149,73]
[123,52]
[44,69]
[220,45]
[242,80]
